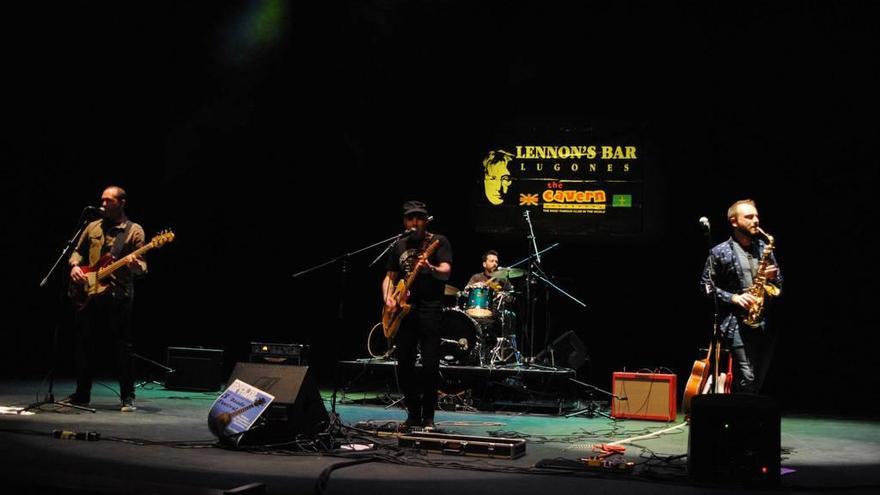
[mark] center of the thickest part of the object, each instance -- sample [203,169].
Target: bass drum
[460,338]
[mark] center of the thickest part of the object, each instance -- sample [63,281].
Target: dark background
[274,136]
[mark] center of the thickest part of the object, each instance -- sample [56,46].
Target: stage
[599,149]
[165,446]
[510,387]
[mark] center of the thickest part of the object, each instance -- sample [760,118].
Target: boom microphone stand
[343,259]
[715,345]
[65,253]
[154,363]
[535,272]
[592,408]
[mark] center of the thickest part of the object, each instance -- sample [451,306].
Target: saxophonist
[746,274]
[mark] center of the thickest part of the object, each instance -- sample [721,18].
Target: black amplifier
[265,352]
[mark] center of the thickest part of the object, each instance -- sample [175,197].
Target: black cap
[411,207]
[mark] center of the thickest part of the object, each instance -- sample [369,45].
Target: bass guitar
[97,276]
[392,316]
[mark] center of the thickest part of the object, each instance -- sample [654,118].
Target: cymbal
[506,273]
[450,291]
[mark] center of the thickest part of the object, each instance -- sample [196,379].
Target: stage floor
[165,447]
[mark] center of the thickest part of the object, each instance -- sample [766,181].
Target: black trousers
[420,331]
[752,359]
[105,318]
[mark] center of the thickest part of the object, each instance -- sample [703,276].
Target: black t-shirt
[403,257]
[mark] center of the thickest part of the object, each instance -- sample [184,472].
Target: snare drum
[478,303]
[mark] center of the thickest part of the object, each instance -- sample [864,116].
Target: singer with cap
[107,316]
[420,328]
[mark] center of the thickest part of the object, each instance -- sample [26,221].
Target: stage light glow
[258,27]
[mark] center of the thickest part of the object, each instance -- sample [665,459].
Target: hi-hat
[450,290]
[506,273]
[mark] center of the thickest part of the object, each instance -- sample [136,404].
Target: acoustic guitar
[98,275]
[392,316]
[697,381]
[702,382]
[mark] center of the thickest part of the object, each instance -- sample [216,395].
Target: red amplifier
[643,396]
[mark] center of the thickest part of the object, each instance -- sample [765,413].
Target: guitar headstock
[162,237]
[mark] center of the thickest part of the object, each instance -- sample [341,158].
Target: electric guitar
[221,421]
[391,317]
[97,283]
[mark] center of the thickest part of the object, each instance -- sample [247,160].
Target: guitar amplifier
[269,353]
[494,447]
[194,368]
[648,396]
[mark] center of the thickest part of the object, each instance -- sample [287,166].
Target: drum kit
[479,322]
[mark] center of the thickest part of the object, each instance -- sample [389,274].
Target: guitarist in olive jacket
[108,316]
[421,326]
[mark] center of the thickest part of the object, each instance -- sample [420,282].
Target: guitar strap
[119,244]
[426,241]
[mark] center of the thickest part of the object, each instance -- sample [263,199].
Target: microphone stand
[65,253]
[592,408]
[145,382]
[344,259]
[343,270]
[533,272]
[715,344]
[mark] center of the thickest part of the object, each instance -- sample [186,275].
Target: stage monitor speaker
[734,438]
[195,369]
[567,351]
[648,396]
[297,409]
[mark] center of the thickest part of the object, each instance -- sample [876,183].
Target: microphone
[705,223]
[94,210]
[408,232]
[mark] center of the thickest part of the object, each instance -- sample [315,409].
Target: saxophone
[761,288]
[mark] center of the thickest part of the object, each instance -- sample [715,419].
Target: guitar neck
[116,265]
[259,402]
[412,276]
[242,410]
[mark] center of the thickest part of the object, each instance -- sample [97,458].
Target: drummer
[491,275]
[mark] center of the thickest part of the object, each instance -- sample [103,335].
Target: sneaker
[429,424]
[127,405]
[410,423]
[75,400]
